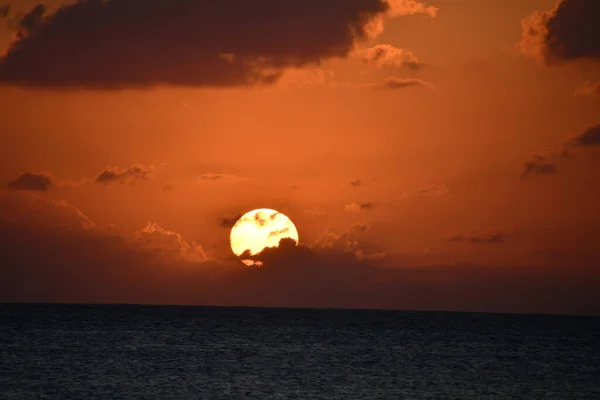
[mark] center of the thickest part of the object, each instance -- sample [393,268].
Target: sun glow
[259,229]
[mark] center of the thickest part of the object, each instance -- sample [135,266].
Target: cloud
[479,238]
[356,208]
[210,176]
[4,10]
[411,7]
[567,32]
[387,56]
[132,175]
[435,189]
[588,138]
[140,43]
[51,252]
[588,89]
[31,181]
[546,163]
[167,244]
[539,166]
[356,183]
[394,83]
[229,221]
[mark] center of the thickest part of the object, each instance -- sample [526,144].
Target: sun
[259,229]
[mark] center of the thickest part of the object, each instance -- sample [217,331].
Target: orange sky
[444,120]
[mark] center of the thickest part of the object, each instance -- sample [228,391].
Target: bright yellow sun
[259,229]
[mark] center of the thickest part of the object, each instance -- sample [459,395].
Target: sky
[438,155]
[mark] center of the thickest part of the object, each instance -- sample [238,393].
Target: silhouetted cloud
[137,43]
[356,183]
[546,163]
[479,238]
[387,56]
[4,10]
[588,89]
[588,138]
[567,32]
[229,221]
[168,244]
[31,181]
[539,167]
[132,175]
[394,83]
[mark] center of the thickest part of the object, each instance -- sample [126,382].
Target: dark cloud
[479,238]
[229,221]
[137,43]
[4,10]
[588,89]
[356,183]
[132,175]
[570,31]
[31,181]
[538,168]
[51,252]
[588,138]
[546,163]
[394,83]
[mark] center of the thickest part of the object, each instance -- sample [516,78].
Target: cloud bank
[51,252]
[568,32]
[139,43]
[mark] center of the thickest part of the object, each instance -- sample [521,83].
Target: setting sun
[259,229]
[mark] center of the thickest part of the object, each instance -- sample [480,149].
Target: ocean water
[150,352]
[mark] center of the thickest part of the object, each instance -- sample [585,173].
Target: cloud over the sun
[568,32]
[139,43]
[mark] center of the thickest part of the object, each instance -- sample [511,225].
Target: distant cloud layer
[479,238]
[570,31]
[31,181]
[137,43]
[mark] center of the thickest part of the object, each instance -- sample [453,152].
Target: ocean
[171,352]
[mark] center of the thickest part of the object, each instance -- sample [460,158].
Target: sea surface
[154,352]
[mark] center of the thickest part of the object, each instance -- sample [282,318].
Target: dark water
[143,352]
